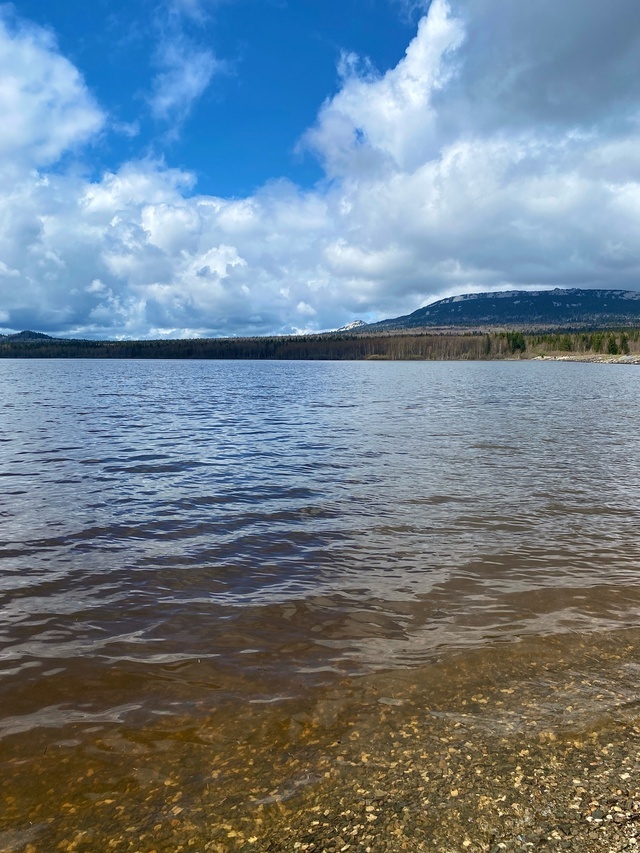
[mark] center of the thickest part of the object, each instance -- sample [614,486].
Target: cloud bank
[502,151]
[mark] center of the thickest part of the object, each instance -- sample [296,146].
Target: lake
[207,568]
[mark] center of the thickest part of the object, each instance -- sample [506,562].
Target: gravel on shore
[592,358]
[533,746]
[445,786]
[542,756]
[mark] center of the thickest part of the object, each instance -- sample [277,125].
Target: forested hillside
[533,310]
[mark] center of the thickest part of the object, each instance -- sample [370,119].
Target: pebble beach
[532,746]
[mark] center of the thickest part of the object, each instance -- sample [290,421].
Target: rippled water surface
[181,537]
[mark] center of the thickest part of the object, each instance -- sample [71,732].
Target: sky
[187,168]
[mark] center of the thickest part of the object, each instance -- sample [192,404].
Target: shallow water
[196,552]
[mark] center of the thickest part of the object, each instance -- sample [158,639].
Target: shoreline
[590,358]
[519,760]
[531,745]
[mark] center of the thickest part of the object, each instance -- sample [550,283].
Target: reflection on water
[185,539]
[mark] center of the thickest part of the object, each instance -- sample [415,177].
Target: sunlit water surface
[180,539]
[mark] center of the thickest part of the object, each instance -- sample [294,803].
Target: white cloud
[429,193]
[185,72]
[7,272]
[184,67]
[45,107]
[378,123]
[305,309]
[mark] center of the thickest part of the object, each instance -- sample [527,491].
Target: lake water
[193,554]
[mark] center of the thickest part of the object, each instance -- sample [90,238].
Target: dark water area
[194,554]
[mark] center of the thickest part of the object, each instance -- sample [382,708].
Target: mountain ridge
[533,309]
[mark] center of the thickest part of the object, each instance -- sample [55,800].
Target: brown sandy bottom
[521,747]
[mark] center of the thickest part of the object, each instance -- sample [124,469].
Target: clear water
[180,539]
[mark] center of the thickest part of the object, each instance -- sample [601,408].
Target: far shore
[616,346]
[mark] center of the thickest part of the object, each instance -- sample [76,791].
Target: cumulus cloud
[501,151]
[388,122]
[45,105]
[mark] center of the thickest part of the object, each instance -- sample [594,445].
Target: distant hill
[536,309]
[27,335]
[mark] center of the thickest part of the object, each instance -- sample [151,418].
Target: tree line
[403,347]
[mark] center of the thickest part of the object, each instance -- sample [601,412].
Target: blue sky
[269,64]
[235,167]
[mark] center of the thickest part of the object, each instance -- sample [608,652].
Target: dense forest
[445,346]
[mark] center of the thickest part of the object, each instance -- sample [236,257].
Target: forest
[398,347]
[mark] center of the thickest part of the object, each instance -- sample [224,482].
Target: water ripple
[288,521]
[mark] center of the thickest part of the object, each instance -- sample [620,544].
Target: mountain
[352,327]
[534,309]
